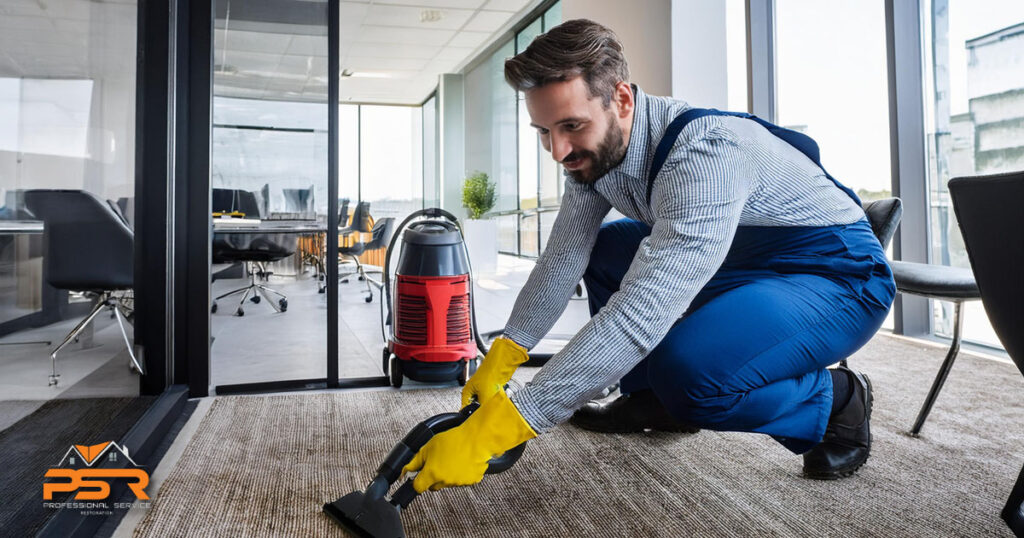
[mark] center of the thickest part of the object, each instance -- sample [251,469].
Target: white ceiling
[394,55]
[392,48]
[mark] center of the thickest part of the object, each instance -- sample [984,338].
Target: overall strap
[798,140]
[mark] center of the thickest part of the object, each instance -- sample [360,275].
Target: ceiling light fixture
[430,15]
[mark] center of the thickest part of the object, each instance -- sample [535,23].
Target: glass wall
[67,121]
[269,192]
[832,84]
[974,108]
[540,177]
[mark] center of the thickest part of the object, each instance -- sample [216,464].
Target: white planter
[482,243]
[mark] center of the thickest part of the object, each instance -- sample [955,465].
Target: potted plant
[481,234]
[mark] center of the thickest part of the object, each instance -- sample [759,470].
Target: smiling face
[588,138]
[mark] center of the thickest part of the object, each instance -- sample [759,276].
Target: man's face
[579,132]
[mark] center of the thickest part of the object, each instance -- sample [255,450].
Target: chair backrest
[227,200]
[298,200]
[382,230]
[361,217]
[988,209]
[343,212]
[87,246]
[884,216]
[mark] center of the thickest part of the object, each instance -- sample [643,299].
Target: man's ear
[623,97]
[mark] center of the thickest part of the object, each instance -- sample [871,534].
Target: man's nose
[560,147]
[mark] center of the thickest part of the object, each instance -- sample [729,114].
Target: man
[742,271]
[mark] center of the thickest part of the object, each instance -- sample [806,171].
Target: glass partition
[67,161]
[269,192]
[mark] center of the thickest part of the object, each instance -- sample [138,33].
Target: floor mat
[38,441]
[263,466]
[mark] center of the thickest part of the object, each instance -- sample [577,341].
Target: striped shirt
[723,172]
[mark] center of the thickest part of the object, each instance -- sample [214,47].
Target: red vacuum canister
[433,336]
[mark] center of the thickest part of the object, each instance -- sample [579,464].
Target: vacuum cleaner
[430,335]
[430,329]
[370,513]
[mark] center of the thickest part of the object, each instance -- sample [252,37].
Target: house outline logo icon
[92,454]
[80,471]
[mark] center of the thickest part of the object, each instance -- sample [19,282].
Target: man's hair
[575,48]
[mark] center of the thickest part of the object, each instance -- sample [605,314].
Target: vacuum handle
[404,495]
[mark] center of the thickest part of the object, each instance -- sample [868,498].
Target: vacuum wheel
[385,361]
[395,372]
[463,373]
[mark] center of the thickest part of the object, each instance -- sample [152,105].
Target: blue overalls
[750,352]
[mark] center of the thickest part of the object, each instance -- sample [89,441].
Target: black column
[194,51]
[152,156]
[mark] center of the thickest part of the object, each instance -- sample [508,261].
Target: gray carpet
[263,466]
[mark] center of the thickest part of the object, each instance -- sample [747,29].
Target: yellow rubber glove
[459,456]
[495,370]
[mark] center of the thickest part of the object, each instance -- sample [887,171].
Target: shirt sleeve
[561,265]
[697,201]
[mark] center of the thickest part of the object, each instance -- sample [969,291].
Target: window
[540,177]
[391,171]
[974,110]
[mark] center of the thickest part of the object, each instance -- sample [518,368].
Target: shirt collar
[635,161]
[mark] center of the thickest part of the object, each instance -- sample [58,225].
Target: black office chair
[381,231]
[88,248]
[988,212]
[360,221]
[884,216]
[252,250]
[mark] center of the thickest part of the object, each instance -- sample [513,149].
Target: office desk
[35,303]
[19,227]
[311,239]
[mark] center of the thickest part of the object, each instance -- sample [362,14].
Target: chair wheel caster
[322,290]
[283,303]
[213,309]
[239,312]
[255,299]
[369,298]
[344,281]
[362,278]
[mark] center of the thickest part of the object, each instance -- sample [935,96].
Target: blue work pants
[750,352]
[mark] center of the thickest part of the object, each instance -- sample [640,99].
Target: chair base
[947,365]
[363,273]
[256,291]
[118,304]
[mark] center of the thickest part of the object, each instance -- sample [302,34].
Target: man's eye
[572,126]
[542,131]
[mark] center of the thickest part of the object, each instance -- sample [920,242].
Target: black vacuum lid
[432,233]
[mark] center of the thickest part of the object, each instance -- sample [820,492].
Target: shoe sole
[851,470]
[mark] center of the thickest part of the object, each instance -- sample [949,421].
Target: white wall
[699,74]
[644,28]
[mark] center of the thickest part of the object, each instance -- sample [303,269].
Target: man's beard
[609,154]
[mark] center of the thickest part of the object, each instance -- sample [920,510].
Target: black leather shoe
[629,413]
[847,441]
